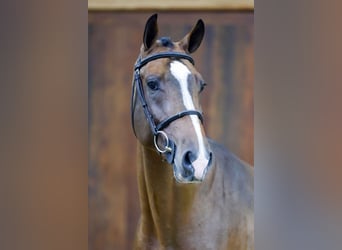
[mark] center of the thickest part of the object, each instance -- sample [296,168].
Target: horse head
[166,111]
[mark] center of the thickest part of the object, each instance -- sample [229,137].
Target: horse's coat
[216,210]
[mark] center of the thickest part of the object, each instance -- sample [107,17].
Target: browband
[141,62]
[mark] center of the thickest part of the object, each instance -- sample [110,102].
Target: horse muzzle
[192,170]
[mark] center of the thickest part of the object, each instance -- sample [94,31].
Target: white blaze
[181,73]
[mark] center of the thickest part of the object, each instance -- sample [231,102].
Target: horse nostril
[188,158]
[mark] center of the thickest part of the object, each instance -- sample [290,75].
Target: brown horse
[194,194]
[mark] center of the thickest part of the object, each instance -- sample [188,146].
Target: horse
[194,194]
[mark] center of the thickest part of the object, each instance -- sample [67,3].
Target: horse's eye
[203,84]
[153,84]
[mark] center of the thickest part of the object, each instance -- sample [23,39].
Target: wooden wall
[225,59]
[171,5]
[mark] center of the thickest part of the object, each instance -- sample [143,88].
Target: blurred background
[44,120]
[44,114]
[225,60]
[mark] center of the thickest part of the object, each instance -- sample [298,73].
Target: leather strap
[142,62]
[167,122]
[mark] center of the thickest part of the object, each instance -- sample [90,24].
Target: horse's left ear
[192,41]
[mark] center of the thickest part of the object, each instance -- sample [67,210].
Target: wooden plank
[171,5]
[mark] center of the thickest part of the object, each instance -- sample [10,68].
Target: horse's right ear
[151,31]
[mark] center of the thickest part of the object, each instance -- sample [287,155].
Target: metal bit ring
[167,147]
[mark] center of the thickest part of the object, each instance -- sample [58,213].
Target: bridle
[169,148]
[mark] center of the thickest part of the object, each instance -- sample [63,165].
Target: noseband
[170,147]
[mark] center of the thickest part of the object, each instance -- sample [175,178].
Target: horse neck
[164,202]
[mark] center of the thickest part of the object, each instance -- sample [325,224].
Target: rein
[169,148]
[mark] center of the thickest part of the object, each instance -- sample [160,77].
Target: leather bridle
[169,149]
